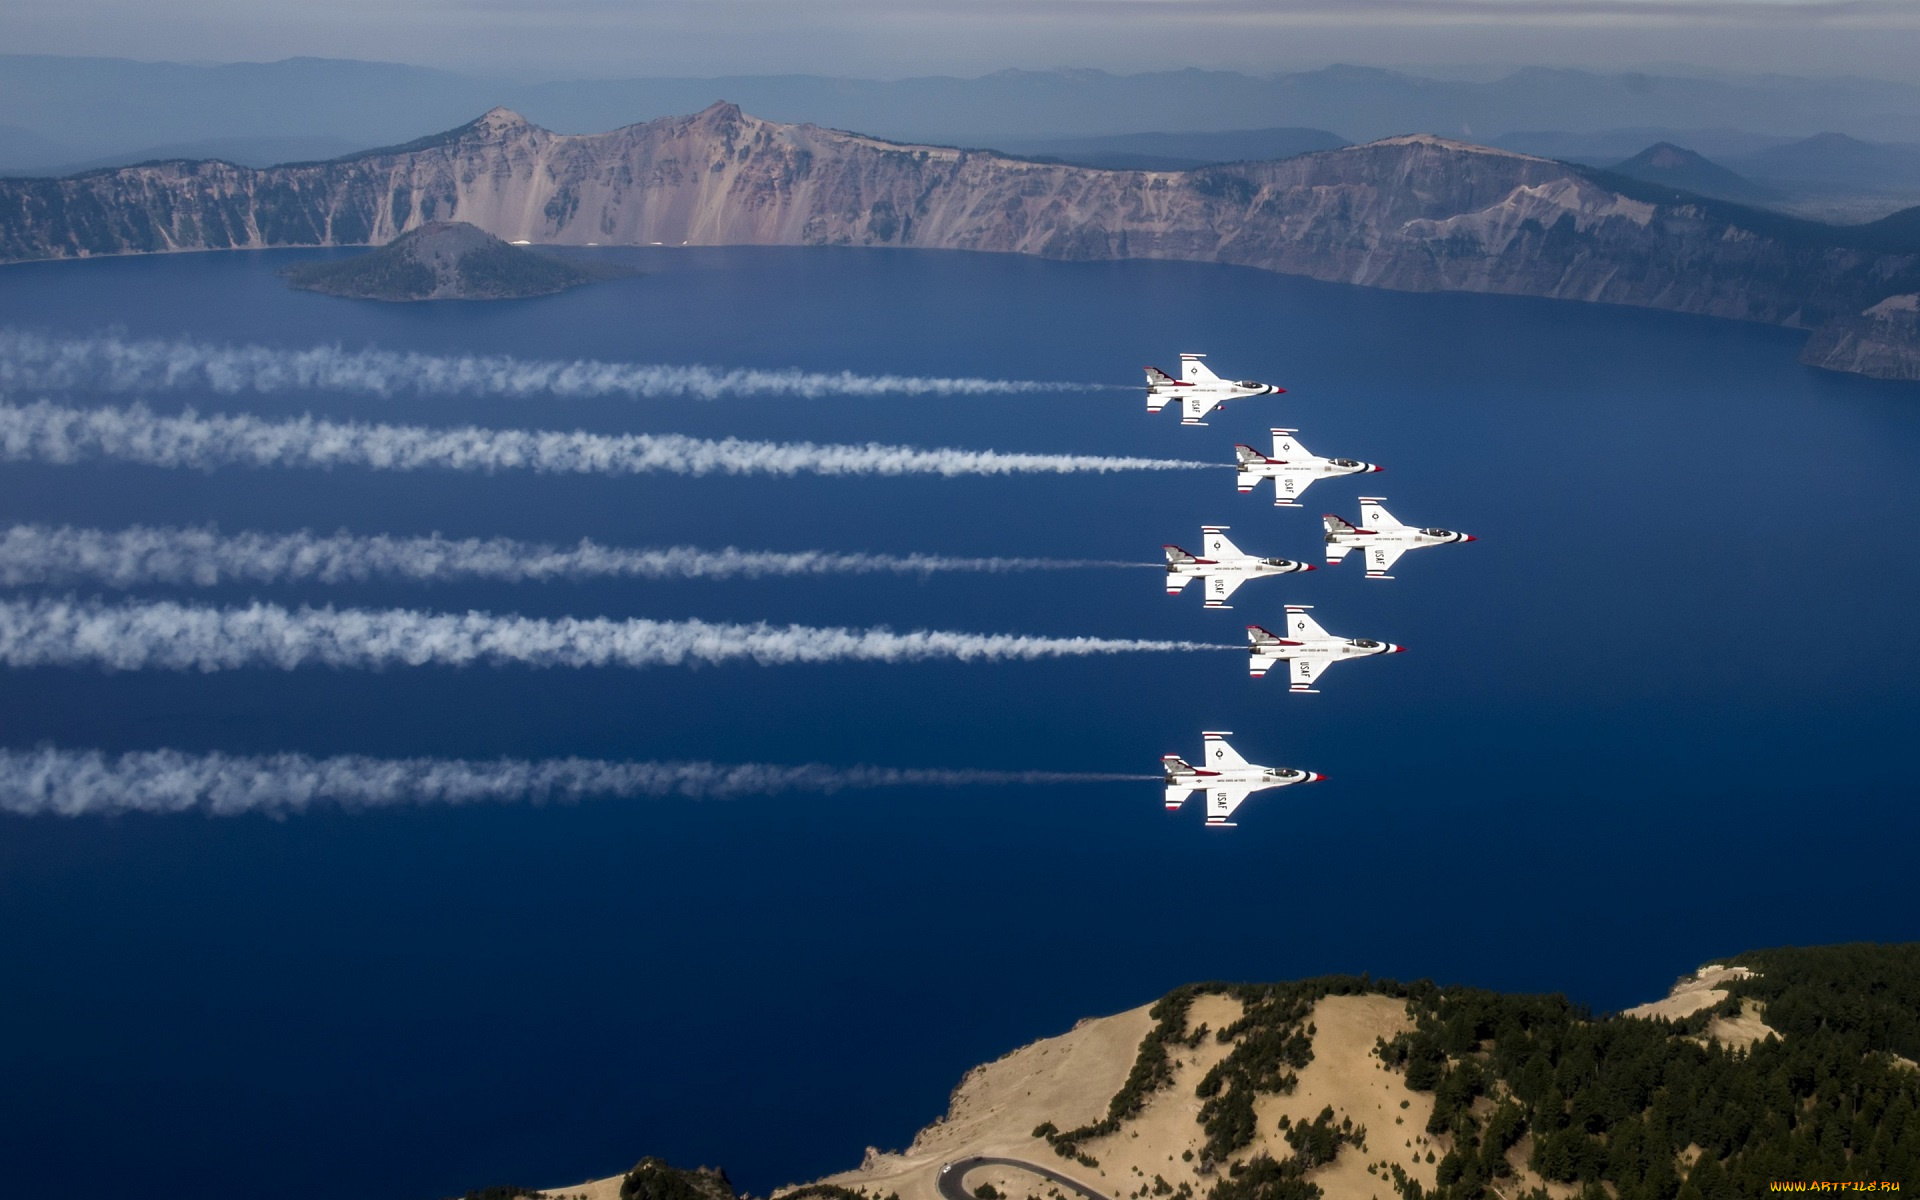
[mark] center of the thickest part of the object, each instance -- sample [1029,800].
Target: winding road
[954,1172]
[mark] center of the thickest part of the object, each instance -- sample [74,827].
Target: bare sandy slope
[1069,1079]
[1702,989]
[1346,1075]
[1066,1081]
[594,1189]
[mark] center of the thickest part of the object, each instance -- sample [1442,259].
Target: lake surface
[1661,711]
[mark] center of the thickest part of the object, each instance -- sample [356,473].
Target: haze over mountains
[58,112]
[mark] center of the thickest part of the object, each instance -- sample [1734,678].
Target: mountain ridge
[1414,213]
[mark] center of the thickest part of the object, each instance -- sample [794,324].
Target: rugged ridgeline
[1792,1065]
[1413,213]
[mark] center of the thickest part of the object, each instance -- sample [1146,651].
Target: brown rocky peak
[722,117]
[499,120]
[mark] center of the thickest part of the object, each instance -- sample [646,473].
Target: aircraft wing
[1222,757]
[1223,799]
[1373,515]
[1301,672]
[1194,407]
[1302,626]
[1381,557]
[1219,587]
[1289,485]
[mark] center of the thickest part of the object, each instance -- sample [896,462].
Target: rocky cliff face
[1414,213]
[1883,341]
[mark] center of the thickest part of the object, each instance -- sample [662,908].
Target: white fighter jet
[1380,538]
[1221,565]
[1292,468]
[1306,648]
[1227,779]
[1199,390]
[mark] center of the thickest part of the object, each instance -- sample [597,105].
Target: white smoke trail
[108,363]
[202,557]
[51,433]
[72,783]
[183,637]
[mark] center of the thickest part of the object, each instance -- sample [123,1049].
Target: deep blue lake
[1660,712]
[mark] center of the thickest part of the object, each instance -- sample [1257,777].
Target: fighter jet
[1224,567]
[1199,390]
[1227,779]
[1381,538]
[1306,648]
[1292,468]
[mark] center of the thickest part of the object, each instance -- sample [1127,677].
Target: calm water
[1661,711]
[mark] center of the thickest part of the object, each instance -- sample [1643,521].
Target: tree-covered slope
[1791,1067]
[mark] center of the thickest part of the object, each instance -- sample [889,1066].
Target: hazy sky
[892,38]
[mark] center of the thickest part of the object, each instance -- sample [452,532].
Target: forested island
[447,260]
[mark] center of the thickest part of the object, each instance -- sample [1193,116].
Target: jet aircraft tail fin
[1336,527]
[1247,455]
[1181,779]
[1158,378]
[1262,645]
[1176,557]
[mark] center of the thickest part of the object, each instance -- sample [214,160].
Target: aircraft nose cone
[1393,649]
[1308,567]
[1467,537]
[1374,468]
[1314,777]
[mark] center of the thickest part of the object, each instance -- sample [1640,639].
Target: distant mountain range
[1673,166]
[1414,213]
[1174,151]
[73,110]
[1828,176]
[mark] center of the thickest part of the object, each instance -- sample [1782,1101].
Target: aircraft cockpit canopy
[1437,532]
